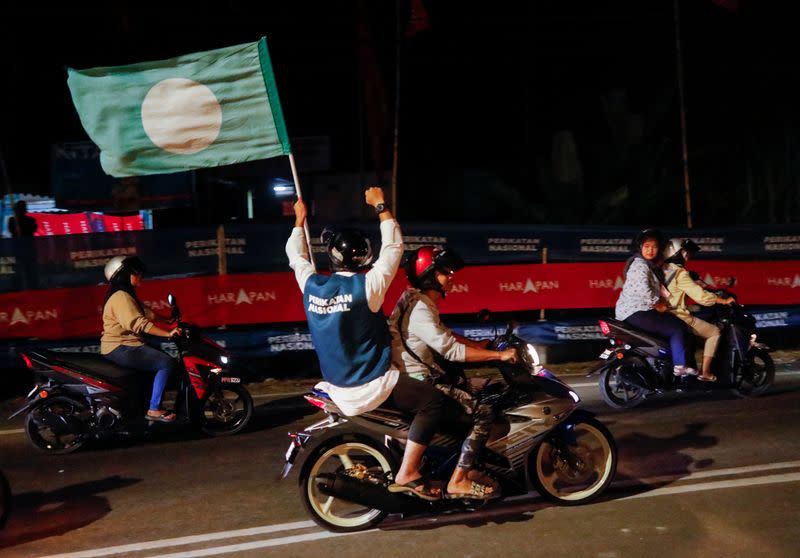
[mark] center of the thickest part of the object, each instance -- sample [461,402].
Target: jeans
[665,325]
[146,358]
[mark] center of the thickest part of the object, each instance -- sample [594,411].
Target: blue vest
[353,342]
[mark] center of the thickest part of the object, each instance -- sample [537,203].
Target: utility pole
[685,151]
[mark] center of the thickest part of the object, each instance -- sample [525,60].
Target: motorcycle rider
[643,300]
[422,346]
[125,319]
[351,337]
[681,285]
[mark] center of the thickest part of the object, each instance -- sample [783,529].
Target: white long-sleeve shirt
[424,333]
[358,399]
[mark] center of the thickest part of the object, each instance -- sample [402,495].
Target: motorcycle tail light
[316,402]
[604,327]
[620,356]
[27,360]
[43,394]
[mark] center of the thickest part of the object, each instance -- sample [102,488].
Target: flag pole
[398,47]
[300,196]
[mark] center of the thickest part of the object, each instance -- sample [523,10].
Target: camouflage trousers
[482,420]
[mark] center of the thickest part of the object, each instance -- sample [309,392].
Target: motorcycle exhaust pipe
[367,494]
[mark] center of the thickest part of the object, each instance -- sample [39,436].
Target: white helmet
[672,247]
[676,250]
[117,263]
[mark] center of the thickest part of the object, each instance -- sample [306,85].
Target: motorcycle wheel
[226,410]
[755,376]
[5,499]
[575,473]
[332,513]
[59,435]
[616,391]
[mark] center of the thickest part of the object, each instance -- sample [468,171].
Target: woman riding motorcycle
[642,302]
[125,319]
[423,346]
[681,284]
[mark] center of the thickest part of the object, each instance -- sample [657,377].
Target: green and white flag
[199,110]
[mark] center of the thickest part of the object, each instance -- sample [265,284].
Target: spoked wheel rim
[618,391]
[337,459]
[585,469]
[226,409]
[45,436]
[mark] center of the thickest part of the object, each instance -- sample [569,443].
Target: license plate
[605,354]
[231,380]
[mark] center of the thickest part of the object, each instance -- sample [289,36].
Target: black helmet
[645,235]
[348,249]
[421,264]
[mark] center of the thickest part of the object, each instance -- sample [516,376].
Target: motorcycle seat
[634,336]
[93,364]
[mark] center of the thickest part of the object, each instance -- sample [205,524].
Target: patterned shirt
[640,292]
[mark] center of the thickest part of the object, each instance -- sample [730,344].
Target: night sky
[539,112]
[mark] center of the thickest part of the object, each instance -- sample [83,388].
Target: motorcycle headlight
[223,359]
[533,354]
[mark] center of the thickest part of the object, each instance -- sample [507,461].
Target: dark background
[527,112]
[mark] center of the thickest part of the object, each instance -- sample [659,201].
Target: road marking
[260,544]
[708,474]
[681,488]
[735,483]
[14,431]
[179,541]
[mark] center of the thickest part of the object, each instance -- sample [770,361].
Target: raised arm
[297,247]
[385,267]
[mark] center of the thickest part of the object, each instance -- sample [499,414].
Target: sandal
[711,378]
[162,416]
[421,488]
[483,478]
[477,491]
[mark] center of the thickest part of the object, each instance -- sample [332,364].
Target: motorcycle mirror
[171,299]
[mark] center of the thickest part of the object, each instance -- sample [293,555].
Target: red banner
[274,297]
[115,223]
[50,224]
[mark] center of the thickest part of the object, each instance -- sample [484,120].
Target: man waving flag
[199,110]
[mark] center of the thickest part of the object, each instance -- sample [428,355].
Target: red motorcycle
[83,396]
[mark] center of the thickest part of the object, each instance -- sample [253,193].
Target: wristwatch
[380,208]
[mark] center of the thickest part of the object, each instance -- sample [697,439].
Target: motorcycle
[639,365]
[540,439]
[83,396]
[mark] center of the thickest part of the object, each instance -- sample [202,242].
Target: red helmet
[422,264]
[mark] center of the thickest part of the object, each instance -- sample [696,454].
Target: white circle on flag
[181,116]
